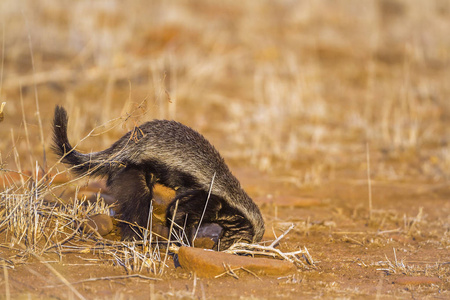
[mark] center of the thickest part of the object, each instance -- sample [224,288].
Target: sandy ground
[405,239]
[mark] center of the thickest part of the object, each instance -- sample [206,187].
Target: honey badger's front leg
[186,210]
[133,189]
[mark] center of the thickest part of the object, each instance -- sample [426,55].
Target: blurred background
[301,89]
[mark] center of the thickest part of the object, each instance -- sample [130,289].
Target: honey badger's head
[187,211]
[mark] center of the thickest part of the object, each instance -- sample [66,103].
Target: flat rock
[207,263]
[417,280]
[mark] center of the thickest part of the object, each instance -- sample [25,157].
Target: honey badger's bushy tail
[93,163]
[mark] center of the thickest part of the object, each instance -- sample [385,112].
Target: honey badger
[176,156]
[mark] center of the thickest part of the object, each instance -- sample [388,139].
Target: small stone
[207,263]
[417,280]
[100,223]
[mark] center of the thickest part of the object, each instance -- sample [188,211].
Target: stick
[109,278]
[275,243]
[5,274]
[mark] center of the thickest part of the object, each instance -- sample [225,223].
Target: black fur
[178,157]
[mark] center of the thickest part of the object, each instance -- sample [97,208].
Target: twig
[5,274]
[229,271]
[109,278]
[275,243]
[232,272]
[250,272]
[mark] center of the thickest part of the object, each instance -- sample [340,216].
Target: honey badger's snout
[176,156]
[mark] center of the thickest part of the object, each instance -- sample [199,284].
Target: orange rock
[207,263]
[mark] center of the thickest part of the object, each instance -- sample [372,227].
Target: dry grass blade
[369,182]
[5,274]
[1,111]
[396,267]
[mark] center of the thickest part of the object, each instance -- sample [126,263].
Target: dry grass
[318,82]
[399,266]
[33,226]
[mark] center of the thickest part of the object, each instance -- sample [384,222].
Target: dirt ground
[334,116]
[355,257]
